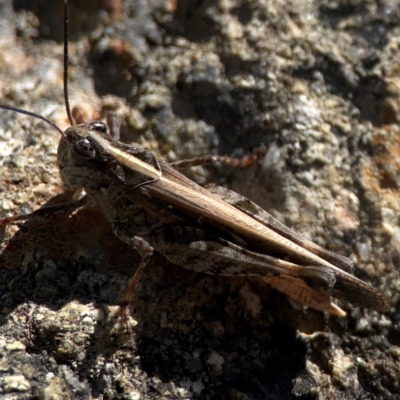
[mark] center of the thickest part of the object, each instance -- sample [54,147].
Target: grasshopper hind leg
[214,158]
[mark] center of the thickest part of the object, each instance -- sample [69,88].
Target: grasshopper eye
[85,148]
[99,126]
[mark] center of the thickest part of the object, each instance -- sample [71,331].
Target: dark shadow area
[372,386]
[335,13]
[188,323]
[78,242]
[367,95]
[234,65]
[194,20]
[244,11]
[370,29]
[236,114]
[257,365]
[116,70]
[394,335]
[372,25]
[84,16]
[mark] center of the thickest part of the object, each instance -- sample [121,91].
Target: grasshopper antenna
[32,114]
[66,99]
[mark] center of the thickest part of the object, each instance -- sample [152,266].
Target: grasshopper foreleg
[45,211]
[145,251]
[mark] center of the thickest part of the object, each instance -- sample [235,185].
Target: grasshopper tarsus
[256,154]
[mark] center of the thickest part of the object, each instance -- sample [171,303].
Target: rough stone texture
[317,82]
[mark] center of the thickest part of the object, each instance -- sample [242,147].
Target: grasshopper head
[82,153]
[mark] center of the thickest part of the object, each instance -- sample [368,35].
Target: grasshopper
[213,230]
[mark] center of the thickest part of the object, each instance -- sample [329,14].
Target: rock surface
[317,82]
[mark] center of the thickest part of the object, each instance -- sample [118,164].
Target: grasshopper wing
[346,287]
